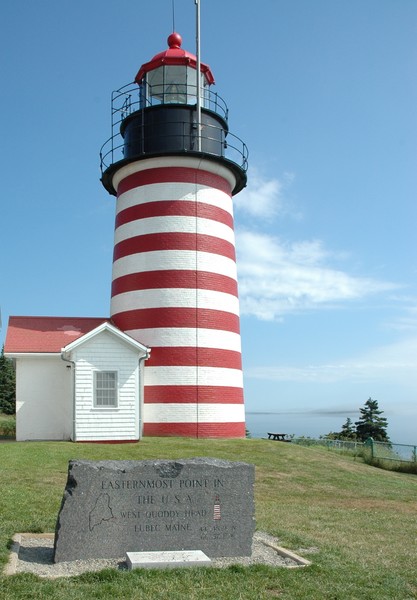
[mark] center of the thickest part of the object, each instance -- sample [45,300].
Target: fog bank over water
[320,422]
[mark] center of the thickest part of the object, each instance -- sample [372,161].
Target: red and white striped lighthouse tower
[174,167]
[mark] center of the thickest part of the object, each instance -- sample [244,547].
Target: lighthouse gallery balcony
[164,122]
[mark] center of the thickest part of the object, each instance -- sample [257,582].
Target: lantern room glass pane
[173,84]
[155,84]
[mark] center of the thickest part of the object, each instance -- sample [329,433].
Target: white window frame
[114,403]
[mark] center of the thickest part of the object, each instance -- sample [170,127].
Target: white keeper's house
[76,378]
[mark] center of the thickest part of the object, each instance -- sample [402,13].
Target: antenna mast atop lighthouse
[198,53]
[174,167]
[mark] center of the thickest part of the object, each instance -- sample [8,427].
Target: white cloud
[276,277]
[408,321]
[263,198]
[394,364]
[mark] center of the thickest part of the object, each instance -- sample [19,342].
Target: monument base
[166,560]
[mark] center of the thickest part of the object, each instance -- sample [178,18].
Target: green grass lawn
[357,524]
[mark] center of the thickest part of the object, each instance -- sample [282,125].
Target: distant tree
[7,385]
[332,435]
[371,424]
[348,431]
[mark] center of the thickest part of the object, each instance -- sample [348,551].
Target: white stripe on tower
[180,297]
[173,260]
[185,337]
[175,289]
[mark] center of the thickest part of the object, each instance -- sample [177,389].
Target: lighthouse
[174,166]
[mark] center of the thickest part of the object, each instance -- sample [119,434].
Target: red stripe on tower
[186,356]
[171,175]
[173,279]
[171,208]
[167,394]
[173,241]
[174,284]
[173,316]
[208,430]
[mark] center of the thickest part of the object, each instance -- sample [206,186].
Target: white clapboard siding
[104,352]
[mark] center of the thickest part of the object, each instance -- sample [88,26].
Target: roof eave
[187,61]
[106,326]
[34,354]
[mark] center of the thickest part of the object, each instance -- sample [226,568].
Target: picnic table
[279,437]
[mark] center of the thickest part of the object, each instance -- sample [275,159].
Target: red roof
[174,56]
[46,334]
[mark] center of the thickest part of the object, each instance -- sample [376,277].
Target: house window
[105,389]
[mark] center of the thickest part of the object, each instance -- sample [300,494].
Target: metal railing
[213,140]
[129,99]
[376,450]
[392,452]
[343,445]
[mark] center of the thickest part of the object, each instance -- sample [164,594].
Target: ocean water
[402,429]
[298,424]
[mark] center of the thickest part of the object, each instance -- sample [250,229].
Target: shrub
[8,429]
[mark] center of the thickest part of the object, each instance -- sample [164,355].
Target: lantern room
[171,77]
[161,113]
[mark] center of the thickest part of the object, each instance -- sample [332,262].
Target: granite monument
[113,507]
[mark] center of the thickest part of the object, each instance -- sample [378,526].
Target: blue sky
[324,93]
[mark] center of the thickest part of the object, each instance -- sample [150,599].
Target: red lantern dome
[174,56]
